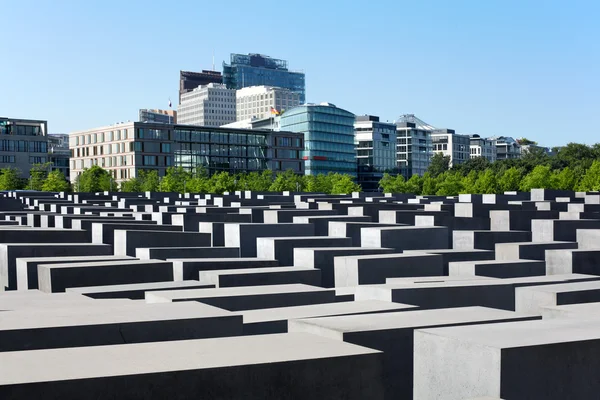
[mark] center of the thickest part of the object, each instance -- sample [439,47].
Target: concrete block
[287,216]
[243,236]
[486,240]
[406,237]
[261,276]
[353,229]
[163,253]
[575,261]
[57,277]
[406,216]
[498,268]
[270,367]
[529,250]
[374,269]
[588,238]
[86,224]
[282,248]
[392,333]
[10,252]
[321,222]
[577,311]
[135,291]
[127,241]
[275,320]
[549,230]
[248,298]
[188,268]
[453,255]
[104,232]
[518,220]
[498,293]
[552,360]
[532,299]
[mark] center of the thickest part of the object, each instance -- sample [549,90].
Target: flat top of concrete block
[487,282]
[116,263]
[53,244]
[145,358]
[524,333]
[409,319]
[108,313]
[366,249]
[216,260]
[447,251]
[231,292]
[565,287]
[535,243]
[349,307]
[178,248]
[136,286]
[422,279]
[255,270]
[404,228]
[496,262]
[392,255]
[583,308]
[298,238]
[17,300]
[59,259]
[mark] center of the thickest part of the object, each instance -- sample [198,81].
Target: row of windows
[23,130]
[100,137]
[7,159]
[115,161]
[23,146]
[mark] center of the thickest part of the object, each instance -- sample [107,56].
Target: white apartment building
[480,147]
[507,148]
[413,145]
[447,142]
[256,102]
[375,144]
[207,105]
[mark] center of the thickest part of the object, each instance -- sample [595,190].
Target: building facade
[328,137]
[246,70]
[158,116]
[23,143]
[208,105]
[189,80]
[480,147]
[259,102]
[375,145]
[413,145]
[507,148]
[58,153]
[125,149]
[448,143]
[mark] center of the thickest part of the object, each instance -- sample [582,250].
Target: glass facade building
[246,70]
[23,143]
[328,137]
[375,143]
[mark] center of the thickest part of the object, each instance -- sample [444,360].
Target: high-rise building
[189,80]
[328,137]
[125,149]
[246,70]
[208,105]
[58,152]
[507,148]
[447,142]
[23,143]
[158,116]
[375,144]
[413,145]
[480,147]
[258,102]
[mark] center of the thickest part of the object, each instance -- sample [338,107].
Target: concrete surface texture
[288,295]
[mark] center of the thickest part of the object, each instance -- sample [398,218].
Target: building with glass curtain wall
[246,70]
[328,137]
[375,143]
[125,149]
[23,143]
[413,145]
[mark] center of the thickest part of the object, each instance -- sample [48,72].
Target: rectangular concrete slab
[282,248]
[261,276]
[188,268]
[498,268]
[164,253]
[532,299]
[135,291]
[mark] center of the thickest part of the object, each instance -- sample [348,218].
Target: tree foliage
[439,164]
[56,182]
[10,180]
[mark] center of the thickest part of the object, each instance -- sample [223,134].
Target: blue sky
[516,68]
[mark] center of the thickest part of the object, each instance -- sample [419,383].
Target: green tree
[9,179]
[591,179]
[565,179]
[429,184]
[222,182]
[472,164]
[287,181]
[439,164]
[56,182]
[469,182]
[175,180]
[256,181]
[450,184]
[392,184]
[486,182]
[37,175]
[94,179]
[131,186]
[414,185]
[510,180]
[149,180]
[539,178]
[343,184]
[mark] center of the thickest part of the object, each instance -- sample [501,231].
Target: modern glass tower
[256,69]
[328,137]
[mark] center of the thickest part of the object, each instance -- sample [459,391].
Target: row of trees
[40,178]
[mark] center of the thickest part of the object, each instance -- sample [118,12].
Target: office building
[448,143]
[507,148]
[58,153]
[259,102]
[208,105]
[189,80]
[246,70]
[23,143]
[328,137]
[158,116]
[413,145]
[481,147]
[125,149]
[375,144]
